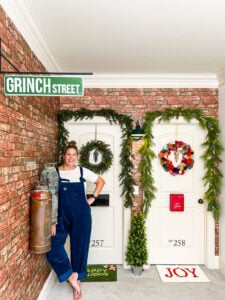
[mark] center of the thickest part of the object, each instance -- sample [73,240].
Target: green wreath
[100,150]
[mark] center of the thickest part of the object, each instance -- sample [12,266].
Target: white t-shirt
[74,175]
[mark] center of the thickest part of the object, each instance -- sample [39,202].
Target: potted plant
[137,253]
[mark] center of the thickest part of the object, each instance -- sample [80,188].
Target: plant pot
[137,270]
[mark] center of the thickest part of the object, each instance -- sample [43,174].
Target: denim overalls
[74,218]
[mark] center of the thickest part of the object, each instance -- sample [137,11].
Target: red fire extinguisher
[41,210]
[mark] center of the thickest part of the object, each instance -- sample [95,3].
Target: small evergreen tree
[137,253]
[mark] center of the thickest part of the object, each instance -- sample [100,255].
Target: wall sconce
[137,133]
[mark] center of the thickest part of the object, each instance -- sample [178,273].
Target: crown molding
[151,81]
[20,15]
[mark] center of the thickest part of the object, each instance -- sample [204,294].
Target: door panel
[106,238]
[178,237]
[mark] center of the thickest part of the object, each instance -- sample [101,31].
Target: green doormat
[101,273]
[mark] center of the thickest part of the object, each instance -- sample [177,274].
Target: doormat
[101,273]
[184,273]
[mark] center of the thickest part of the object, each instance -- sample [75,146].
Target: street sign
[19,85]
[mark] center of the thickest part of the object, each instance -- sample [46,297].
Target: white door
[106,239]
[177,237]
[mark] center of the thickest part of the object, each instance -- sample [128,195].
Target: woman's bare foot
[74,283]
[77,296]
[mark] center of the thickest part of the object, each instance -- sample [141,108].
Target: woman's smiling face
[70,158]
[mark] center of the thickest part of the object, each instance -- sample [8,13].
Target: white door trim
[211,260]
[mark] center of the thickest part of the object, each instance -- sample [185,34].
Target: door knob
[200,201]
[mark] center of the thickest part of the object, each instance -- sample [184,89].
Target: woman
[74,218]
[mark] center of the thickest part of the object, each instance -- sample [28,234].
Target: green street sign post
[19,85]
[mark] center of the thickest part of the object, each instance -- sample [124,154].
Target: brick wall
[28,130]
[136,102]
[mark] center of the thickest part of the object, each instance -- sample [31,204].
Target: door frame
[126,212]
[211,260]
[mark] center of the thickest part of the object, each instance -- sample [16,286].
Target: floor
[145,287]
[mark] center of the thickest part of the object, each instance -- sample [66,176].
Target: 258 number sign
[177,243]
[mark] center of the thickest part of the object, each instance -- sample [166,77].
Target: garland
[101,148]
[186,162]
[211,156]
[126,180]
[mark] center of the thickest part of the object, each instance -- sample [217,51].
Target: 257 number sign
[96,243]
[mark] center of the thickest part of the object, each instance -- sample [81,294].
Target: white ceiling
[124,36]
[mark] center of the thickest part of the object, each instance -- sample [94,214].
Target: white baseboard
[222,266]
[48,286]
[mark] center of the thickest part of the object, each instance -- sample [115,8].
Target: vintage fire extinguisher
[44,209]
[41,211]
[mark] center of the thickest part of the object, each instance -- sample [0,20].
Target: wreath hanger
[95,153]
[177,151]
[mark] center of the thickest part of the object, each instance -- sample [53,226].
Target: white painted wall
[222,198]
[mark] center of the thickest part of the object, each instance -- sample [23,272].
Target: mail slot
[102,200]
[176,202]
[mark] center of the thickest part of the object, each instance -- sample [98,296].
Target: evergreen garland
[126,180]
[211,156]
